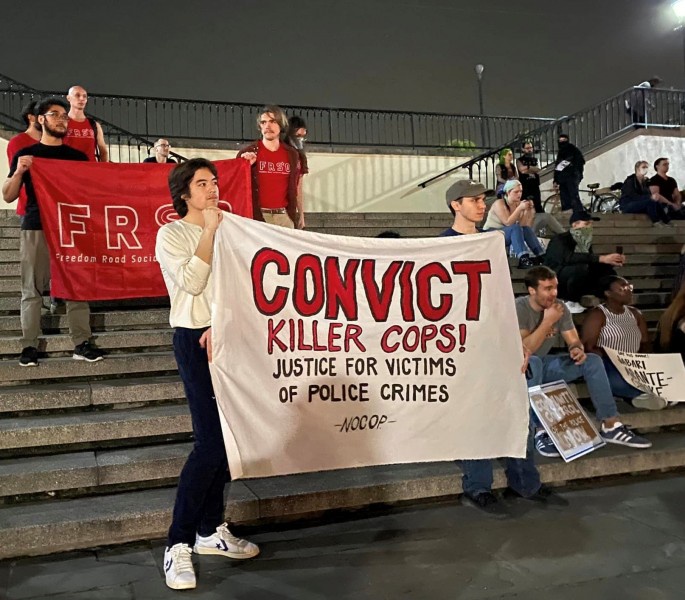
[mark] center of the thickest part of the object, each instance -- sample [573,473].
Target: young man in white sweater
[184,251]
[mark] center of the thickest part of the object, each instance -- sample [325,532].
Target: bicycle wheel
[552,204]
[607,203]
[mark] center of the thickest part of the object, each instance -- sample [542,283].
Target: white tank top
[620,332]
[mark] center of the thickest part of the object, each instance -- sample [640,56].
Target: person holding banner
[184,251]
[542,319]
[275,167]
[466,201]
[33,250]
[617,325]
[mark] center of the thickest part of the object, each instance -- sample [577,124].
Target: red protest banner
[101,219]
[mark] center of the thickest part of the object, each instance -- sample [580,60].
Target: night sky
[541,57]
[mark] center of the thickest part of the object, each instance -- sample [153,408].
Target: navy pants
[522,475]
[644,205]
[199,506]
[569,194]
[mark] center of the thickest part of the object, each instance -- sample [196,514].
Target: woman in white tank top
[617,325]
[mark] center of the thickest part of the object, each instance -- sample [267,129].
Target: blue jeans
[619,386]
[642,205]
[561,366]
[522,475]
[521,239]
[199,506]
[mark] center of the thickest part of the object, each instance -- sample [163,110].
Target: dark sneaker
[526,262]
[88,352]
[487,502]
[28,357]
[620,434]
[544,495]
[545,446]
[538,260]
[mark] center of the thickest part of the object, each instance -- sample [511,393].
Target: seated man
[637,198]
[617,325]
[664,189]
[541,319]
[570,255]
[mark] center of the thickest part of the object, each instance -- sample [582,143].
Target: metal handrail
[230,123]
[127,144]
[587,128]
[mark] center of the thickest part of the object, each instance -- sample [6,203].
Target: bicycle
[601,200]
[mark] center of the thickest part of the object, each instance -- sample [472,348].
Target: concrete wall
[350,182]
[615,164]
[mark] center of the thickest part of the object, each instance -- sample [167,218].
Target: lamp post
[678,7]
[479,74]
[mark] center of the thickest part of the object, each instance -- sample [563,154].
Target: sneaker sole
[90,360]
[217,552]
[28,364]
[650,403]
[629,444]
[550,455]
[191,585]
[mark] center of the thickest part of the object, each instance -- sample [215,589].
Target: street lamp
[678,7]
[479,73]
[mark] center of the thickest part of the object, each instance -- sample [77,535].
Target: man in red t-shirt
[23,140]
[274,170]
[84,133]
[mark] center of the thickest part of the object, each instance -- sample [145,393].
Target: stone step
[91,469]
[9,256]
[39,528]
[99,321]
[50,396]
[87,427]
[67,367]
[9,243]
[11,303]
[108,341]
[630,248]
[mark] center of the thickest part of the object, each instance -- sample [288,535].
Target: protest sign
[333,352]
[101,219]
[573,434]
[659,374]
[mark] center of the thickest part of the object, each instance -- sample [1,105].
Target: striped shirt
[620,332]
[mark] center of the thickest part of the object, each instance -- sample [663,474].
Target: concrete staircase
[89,453]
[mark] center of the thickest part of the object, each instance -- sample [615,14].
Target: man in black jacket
[578,269]
[568,172]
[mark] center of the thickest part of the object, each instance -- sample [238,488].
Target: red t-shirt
[273,175]
[80,136]
[22,140]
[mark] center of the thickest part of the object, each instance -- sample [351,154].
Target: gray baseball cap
[465,188]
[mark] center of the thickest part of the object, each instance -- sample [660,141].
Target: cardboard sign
[572,432]
[659,374]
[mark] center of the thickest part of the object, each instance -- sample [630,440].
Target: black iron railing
[228,124]
[123,146]
[633,108]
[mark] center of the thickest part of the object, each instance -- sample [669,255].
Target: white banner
[660,374]
[333,352]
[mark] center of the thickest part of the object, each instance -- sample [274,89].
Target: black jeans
[199,506]
[568,191]
[575,281]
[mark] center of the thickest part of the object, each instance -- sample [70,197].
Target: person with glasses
[33,250]
[617,325]
[544,224]
[84,132]
[162,149]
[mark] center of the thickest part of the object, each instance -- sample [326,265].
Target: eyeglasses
[57,115]
[163,146]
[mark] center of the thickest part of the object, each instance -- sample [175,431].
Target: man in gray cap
[466,201]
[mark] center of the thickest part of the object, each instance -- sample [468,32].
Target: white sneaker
[574,307]
[178,567]
[649,402]
[224,543]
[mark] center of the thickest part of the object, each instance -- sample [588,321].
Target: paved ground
[625,540]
